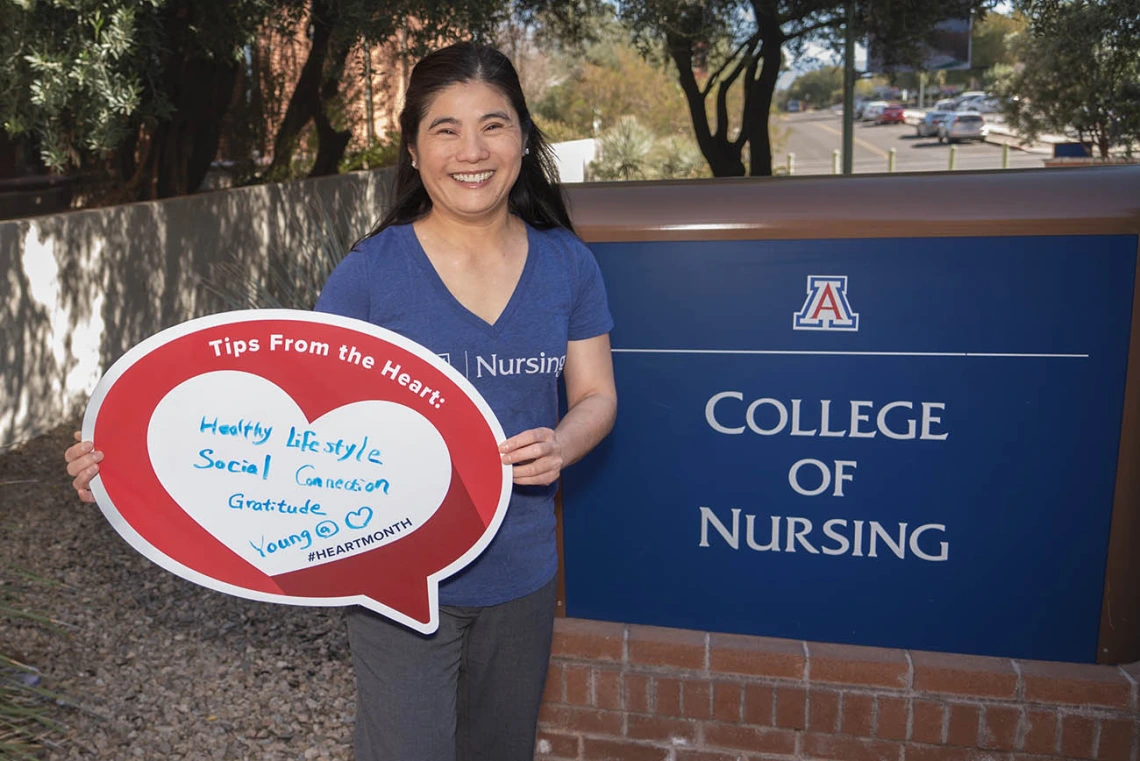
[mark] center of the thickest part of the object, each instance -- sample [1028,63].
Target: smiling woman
[476,261]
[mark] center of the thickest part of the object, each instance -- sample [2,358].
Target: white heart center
[238,455]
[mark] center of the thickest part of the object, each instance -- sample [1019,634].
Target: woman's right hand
[83,464]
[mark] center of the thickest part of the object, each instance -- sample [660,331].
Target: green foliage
[819,88]
[83,75]
[611,81]
[380,154]
[1080,71]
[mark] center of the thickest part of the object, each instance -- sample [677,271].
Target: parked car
[944,105]
[872,109]
[983,105]
[962,126]
[966,98]
[928,127]
[891,115]
[794,106]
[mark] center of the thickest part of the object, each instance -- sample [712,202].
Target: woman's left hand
[536,455]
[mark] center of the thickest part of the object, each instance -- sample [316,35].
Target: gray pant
[469,692]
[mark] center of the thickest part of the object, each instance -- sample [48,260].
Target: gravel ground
[159,668]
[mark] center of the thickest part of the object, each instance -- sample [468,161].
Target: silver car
[959,126]
[928,127]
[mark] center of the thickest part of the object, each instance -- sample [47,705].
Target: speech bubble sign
[300,458]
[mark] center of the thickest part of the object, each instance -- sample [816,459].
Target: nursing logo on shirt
[826,306]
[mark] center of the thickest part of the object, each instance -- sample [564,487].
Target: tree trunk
[723,156]
[761,89]
[331,143]
[305,102]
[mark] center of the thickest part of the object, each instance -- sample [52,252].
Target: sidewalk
[999,134]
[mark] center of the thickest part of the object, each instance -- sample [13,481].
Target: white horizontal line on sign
[853,353]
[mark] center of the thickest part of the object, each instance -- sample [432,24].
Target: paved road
[812,137]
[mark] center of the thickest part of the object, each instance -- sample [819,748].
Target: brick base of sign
[641,693]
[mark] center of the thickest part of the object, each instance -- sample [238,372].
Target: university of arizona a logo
[826,306]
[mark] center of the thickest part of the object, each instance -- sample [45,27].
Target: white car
[962,126]
[928,127]
[872,110]
[983,105]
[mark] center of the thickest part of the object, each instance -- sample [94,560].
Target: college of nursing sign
[298,457]
[893,442]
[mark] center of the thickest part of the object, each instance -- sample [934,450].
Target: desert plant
[287,282]
[28,710]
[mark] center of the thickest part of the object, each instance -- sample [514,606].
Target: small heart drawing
[358,519]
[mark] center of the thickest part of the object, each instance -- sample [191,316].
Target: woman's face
[469,151]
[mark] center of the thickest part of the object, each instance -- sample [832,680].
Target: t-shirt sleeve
[590,312]
[346,291]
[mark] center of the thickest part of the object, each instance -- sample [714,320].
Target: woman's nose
[473,147]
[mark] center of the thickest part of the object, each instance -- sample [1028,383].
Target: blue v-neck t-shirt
[514,363]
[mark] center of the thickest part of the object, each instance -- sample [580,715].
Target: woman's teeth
[478,177]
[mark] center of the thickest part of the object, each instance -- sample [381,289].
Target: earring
[526,151]
[414,164]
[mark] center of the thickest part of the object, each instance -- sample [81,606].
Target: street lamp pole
[849,88]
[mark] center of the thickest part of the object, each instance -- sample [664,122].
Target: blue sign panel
[893,442]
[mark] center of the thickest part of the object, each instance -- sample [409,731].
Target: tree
[1080,70]
[719,44]
[133,88]
[819,87]
[611,81]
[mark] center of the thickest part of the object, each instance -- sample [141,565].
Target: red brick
[751,739]
[1075,683]
[667,647]
[928,721]
[791,708]
[728,698]
[667,694]
[759,700]
[891,718]
[1077,736]
[705,755]
[635,691]
[972,675]
[607,689]
[552,692]
[573,719]
[588,640]
[616,750]
[1040,733]
[1031,757]
[696,699]
[556,745]
[916,752]
[857,714]
[823,710]
[839,748]
[577,681]
[660,730]
[756,656]
[962,727]
[999,727]
[1115,740]
[853,664]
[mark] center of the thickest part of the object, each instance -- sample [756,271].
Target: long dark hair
[535,197]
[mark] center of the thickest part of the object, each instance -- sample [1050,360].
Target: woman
[477,261]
